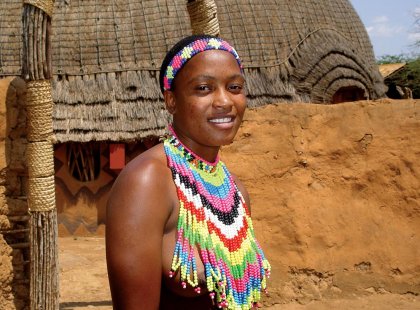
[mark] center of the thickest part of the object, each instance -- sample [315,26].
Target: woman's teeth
[221,120]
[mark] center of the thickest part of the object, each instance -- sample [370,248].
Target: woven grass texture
[106,57]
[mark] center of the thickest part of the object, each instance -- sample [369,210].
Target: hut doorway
[347,94]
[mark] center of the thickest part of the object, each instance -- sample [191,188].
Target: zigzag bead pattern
[214,218]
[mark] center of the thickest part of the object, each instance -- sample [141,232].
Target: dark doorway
[347,94]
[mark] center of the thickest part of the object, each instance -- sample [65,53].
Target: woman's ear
[169,101]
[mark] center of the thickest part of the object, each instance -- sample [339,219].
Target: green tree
[408,77]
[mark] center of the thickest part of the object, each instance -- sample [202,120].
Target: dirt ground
[84,283]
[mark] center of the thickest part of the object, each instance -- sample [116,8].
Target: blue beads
[212,212]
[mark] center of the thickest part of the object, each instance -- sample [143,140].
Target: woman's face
[208,100]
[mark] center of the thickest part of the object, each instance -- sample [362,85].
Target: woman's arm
[137,212]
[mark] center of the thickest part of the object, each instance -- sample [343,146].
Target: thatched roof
[106,57]
[388,69]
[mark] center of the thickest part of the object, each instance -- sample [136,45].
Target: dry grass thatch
[388,69]
[106,57]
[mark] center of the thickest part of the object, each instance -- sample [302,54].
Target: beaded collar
[214,219]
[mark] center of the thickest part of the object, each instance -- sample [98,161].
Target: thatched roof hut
[402,79]
[106,57]
[387,70]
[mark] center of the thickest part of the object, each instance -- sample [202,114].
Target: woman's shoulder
[146,167]
[153,157]
[147,175]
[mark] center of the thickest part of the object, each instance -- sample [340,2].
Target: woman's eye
[203,88]
[236,87]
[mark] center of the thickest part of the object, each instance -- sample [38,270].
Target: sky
[390,25]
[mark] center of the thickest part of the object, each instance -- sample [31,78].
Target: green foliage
[408,77]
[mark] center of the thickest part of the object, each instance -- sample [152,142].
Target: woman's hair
[184,50]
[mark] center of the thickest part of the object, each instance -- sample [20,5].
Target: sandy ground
[84,283]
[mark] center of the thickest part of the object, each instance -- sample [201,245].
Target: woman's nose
[222,99]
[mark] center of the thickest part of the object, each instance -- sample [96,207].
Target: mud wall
[335,193]
[14,246]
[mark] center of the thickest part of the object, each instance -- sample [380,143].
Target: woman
[179,235]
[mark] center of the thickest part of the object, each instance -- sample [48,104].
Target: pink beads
[223,304]
[214,221]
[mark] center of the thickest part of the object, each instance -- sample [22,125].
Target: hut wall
[105,81]
[14,246]
[81,205]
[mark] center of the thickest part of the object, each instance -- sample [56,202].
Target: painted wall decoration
[83,178]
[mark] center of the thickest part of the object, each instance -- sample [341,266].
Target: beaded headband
[189,51]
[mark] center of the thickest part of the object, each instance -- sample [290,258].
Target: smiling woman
[181,235]
[208,101]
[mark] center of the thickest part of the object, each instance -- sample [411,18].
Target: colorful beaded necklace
[214,218]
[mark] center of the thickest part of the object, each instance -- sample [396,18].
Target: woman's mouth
[222,120]
[225,122]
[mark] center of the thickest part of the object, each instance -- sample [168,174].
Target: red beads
[213,219]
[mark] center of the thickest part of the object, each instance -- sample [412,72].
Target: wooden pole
[44,290]
[203,17]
